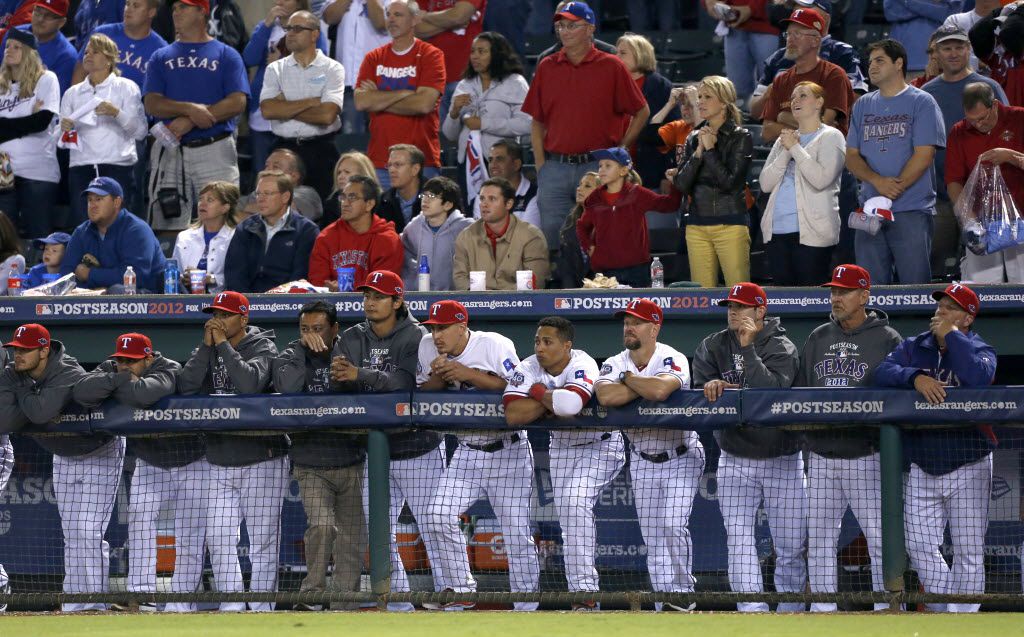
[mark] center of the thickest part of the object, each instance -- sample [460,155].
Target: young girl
[572,267]
[613,228]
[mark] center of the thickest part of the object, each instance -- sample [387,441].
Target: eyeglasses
[263,194]
[352,197]
[429,196]
[564,25]
[294,28]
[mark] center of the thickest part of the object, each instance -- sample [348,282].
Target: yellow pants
[709,247]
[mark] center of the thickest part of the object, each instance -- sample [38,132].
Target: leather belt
[497,445]
[664,456]
[299,141]
[581,158]
[206,141]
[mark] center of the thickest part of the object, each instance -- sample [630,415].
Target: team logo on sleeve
[668,362]
[606,369]
[517,379]
[507,363]
[581,374]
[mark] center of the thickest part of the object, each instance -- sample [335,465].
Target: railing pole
[894,553]
[378,462]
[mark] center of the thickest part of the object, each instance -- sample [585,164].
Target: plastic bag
[60,287]
[987,213]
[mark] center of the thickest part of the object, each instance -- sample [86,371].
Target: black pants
[792,263]
[319,156]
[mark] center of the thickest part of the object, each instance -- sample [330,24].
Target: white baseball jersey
[665,361]
[486,351]
[578,376]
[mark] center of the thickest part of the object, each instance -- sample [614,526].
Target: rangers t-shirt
[134,54]
[421,65]
[455,43]
[665,361]
[486,351]
[578,377]
[33,156]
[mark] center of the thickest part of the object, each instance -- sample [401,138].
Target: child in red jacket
[613,228]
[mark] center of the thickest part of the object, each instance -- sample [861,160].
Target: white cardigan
[188,249]
[819,168]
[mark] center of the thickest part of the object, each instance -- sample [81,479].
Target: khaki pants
[709,247]
[334,513]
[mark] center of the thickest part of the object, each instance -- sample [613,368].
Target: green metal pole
[378,462]
[894,553]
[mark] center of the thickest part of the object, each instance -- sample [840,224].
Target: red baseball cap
[132,345]
[962,296]
[850,276]
[30,336]
[234,302]
[643,309]
[385,282]
[807,18]
[447,312]
[202,4]
[746,294]
[57,7]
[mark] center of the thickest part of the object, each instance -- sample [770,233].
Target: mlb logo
[43,309]
[562,304]
[403,409]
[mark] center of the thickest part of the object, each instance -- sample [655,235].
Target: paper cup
[197,278]
[525,280]
[478,280]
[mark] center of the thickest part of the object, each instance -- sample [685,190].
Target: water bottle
[14,282]
[129,281]
[657,273]
[171,275]
[423,278]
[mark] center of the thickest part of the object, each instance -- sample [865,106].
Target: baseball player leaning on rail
[666,463]
[756,465]
[559,380]
[493,464]
[34,392]
[844,467]
[950,476]
[169,469]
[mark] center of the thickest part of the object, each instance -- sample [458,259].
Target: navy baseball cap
[24,37]
[106,186]
[576,11]
[53,238]
[617,154]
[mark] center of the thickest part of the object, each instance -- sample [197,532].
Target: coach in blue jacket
[950,469]
[111,240]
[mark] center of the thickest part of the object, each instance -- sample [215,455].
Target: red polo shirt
[584,107]
[966,143]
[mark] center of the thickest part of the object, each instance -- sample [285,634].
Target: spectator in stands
[913,24]
[613,228]
[500,244]
[11,260]
[932,70]
[92,14]
[56,52]
[306,201]
[102,247]
[329,465]
[637,53]
[400,84]
[989,132]
[749,40]
[801,222]
[197,87]
[302,96]
[506,161]
[607,110]
[572,260]
[997,41]
[489,97]
[400,202]
[29,102]
[268,44]
[248,476]
[360,30]
[894,133]
[451,26]
[359,239]
[713,174]
[204,244]
[674,134]
[350,163]
[600,45]
[52,248]
[102,138]
[950,477]
[272,247]
[15,13]
[966,20]
[433,233]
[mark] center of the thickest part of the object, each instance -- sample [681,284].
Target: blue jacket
[34,277]
[255,54]
[129,242]
[250,268]
[967,362]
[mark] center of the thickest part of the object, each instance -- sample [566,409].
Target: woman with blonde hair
[350,163]
[101,138]
[713,173]
[204,244]
[29,101]
[801,222]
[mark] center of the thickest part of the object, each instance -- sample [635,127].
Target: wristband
[537,391]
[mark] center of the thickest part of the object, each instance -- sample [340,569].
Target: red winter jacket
[619,232]
[338,246]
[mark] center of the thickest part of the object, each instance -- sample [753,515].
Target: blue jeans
[905,245]
[429,172]
[30,206]
[261,143]
[556,195]
[352,121]
[79,178]
[745,54]
[508,17]
[446,98]
[137,200]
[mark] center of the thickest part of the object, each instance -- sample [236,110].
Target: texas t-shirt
[134,54]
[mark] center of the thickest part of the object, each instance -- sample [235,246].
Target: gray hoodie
[159,380]
[388,364]
[31,405]
[771,361]
[296,370]
[833,357]
[418,238]
[224,370]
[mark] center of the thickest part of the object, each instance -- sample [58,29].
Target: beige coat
[522,247]
[819,168]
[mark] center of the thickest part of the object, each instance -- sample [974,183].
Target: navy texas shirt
[93,13]
[134,54]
